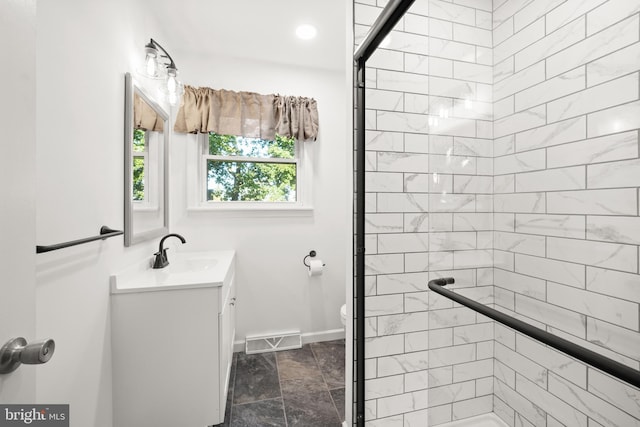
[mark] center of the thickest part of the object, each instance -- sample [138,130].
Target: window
[250,171]
[145,176]
[139,161]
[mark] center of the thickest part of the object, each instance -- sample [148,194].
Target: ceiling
[259,29]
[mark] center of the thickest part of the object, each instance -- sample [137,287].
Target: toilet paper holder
[312,254]
[16,351]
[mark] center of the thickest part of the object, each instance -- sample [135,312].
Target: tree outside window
[251,169]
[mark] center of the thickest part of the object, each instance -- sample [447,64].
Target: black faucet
[161,260]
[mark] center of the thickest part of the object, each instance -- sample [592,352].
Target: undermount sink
[185,270]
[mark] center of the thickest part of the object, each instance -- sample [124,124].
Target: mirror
[146,136]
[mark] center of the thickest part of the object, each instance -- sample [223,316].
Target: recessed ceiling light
[306,32]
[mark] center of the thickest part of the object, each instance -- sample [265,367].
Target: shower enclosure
[496,143]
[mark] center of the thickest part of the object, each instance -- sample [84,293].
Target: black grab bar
[612,367]
[105,233]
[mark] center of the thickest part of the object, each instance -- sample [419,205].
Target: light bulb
[173,98]
[151,66]
[172,84]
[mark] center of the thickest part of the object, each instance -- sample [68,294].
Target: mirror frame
[130,236]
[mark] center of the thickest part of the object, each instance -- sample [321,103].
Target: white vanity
[172,338]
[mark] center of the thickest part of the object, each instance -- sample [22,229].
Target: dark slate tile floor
[290,388]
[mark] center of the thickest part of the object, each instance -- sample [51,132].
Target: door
[17,189]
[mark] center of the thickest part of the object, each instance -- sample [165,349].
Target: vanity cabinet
[172,349]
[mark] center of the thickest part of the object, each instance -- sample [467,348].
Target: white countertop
[186,270]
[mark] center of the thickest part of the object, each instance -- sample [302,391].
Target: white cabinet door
[227,336]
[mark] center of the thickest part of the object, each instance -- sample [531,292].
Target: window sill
[253,210]
[145,208]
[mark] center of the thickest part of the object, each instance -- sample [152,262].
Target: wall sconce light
[173,88]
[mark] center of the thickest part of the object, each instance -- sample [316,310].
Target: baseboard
[309,337]
[329,335]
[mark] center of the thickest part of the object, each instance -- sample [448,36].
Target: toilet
[343,314]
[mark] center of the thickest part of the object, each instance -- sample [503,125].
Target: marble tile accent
[599,254]
[609,94]
[572,178]
[523,365]
[554,316]
[614,229]
[614,65]
[615,338]
[568,11]
[600,44]
[553,42]
[553,360]
[564,84]
[553,134]
[613,120]
[415,63]
[612,390]
[521,284]
[614,174]
[521,404]
[519,81]
[384,264]
[533,11]
[449,49]
[383,141]
[551,225]
[593,202]
[619,146]
[403,242]
[403,323]
[451,12]
[544,268]
[520,243]
[472,35]
[384,99]
[520,162]
[589,404]
[566,413]
[387,59]
[520,203]
[384,305]
[519,40]
[614,283]
[609,13]
[383,223]
[613,310]
[403,363]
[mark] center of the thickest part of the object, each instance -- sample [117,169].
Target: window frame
[198,182]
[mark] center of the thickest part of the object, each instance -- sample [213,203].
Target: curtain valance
[247,114]
[144,116]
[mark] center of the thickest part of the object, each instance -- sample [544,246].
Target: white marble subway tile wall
[460,208]
[429,212]
[502,148]
[567,172]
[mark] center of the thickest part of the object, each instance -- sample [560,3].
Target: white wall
[274,290]
[84,49]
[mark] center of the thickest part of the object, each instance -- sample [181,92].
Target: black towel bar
[612,367]
[105,233]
